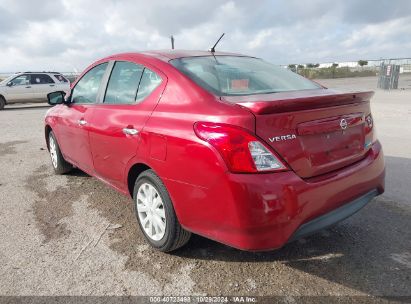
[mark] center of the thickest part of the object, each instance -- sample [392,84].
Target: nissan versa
[223,145]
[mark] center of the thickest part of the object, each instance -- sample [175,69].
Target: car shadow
[77,173]
[369,252]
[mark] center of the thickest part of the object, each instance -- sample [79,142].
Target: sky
[68,35]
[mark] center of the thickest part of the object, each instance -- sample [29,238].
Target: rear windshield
[234,75]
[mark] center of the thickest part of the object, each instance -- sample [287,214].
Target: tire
[58,162]
[173,236]
[2,102]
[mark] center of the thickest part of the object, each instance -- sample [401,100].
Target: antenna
[172,42]
[212,50]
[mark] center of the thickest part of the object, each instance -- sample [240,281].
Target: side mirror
[55,98]
[9,84]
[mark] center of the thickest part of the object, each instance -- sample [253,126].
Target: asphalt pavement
[73,235]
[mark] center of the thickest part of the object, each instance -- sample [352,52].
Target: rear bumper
[334,216]
[265,211]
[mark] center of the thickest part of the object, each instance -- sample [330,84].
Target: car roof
[39,73]
[174,54]
[167,55]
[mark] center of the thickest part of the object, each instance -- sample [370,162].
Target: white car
[31,87]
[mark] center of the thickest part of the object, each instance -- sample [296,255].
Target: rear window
[123,84]
[60,78]
[41,79]
[234,75]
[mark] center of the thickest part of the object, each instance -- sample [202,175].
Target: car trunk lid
[315,131]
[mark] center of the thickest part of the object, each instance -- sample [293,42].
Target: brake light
[242,152]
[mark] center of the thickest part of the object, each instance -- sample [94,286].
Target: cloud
[376,11]
[70,34]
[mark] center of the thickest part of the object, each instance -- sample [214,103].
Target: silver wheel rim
[53,151]
[151,213]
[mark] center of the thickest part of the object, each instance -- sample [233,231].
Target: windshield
[234,75]
[6,80]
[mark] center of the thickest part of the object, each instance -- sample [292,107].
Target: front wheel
[2,102]
[155,214]
[60,165]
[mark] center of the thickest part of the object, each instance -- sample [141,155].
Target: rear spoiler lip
[298,100]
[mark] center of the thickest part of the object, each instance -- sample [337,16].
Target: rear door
[131,95]
[74,119]
[41,85]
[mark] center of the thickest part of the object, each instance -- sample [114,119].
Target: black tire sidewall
[151,178]
[2,102]
[60,160]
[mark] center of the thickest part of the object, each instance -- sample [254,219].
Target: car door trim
[104,82]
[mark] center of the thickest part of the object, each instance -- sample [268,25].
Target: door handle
[129,131]
[52,85]
[28,87]
[82,122]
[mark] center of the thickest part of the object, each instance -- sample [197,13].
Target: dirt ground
[72,235]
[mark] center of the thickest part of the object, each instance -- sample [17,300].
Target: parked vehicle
[226,146]
[31,87]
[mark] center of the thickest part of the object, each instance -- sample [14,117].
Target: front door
[19,89]
[74,119]
[132,93]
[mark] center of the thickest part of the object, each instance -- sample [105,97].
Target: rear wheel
[2,102]
[155,214]
[60,165]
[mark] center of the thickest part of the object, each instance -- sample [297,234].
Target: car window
[123,84]
[86,89]
[40,79]
[60,78]
[21,80]
[235,75]
[148,83]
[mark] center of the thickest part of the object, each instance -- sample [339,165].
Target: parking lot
[72,235]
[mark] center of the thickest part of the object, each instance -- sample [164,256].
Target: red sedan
[223,145]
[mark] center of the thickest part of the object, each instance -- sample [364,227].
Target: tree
[362,62]
[300,66]
[335,65]
[310,65]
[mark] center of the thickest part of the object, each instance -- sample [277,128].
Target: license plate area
[334,146]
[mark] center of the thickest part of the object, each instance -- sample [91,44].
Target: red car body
[329,174]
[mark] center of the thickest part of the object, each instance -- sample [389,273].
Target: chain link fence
[361,68]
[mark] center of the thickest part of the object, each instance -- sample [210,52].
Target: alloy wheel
[53,151]
[151,213]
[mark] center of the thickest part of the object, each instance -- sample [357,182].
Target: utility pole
[172,42]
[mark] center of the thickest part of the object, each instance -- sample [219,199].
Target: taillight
[242,152]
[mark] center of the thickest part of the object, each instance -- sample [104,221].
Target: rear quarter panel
[188,166]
